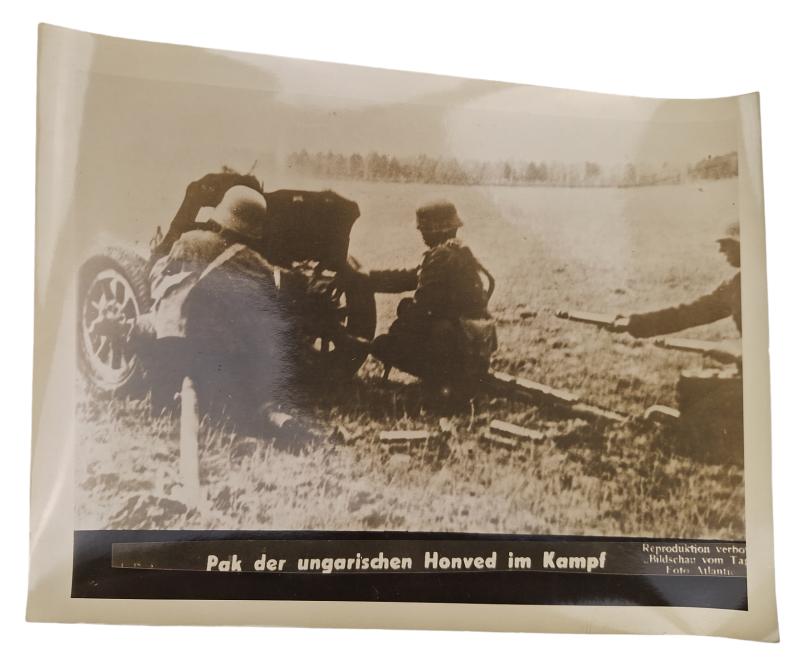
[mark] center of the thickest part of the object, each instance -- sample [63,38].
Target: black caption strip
[409,567]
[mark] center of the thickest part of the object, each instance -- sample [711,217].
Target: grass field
[607,250]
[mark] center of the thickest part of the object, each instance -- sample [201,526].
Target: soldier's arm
[706,309]
[393,281]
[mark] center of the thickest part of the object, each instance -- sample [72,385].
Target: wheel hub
[109,315]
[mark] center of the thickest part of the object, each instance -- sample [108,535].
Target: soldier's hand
[620,324]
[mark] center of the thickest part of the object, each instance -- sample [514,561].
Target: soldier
[709,400]
[443,333]
[207,191]
[723,302]
[215,313]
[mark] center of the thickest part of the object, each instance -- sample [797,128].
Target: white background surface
[668,49]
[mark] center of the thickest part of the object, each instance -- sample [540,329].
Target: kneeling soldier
[444,334]
[709,400]
[215,314]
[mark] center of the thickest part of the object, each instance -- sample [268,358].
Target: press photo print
[364,335]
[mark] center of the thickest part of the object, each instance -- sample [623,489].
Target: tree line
[425,169]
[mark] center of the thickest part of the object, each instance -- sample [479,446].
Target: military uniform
[709,400]
[232,273]
[724,301]
[216,317]
[447,284]
[444,332]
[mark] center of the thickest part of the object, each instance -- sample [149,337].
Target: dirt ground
[601,249]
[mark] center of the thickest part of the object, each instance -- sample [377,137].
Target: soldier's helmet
[242,210]
[438,217]
[731,233]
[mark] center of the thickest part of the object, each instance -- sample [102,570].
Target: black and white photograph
[379,331]
[411,303]
[320,333]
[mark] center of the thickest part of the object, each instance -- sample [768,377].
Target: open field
[608,250]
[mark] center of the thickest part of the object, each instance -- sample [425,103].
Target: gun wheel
[112,294]
[355,310]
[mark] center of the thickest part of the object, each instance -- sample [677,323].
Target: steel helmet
[438,217]
[243,210]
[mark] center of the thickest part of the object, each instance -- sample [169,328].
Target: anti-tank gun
[306,241]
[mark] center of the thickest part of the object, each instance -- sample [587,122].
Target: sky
[345,109]
[279,105]
[154,117]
